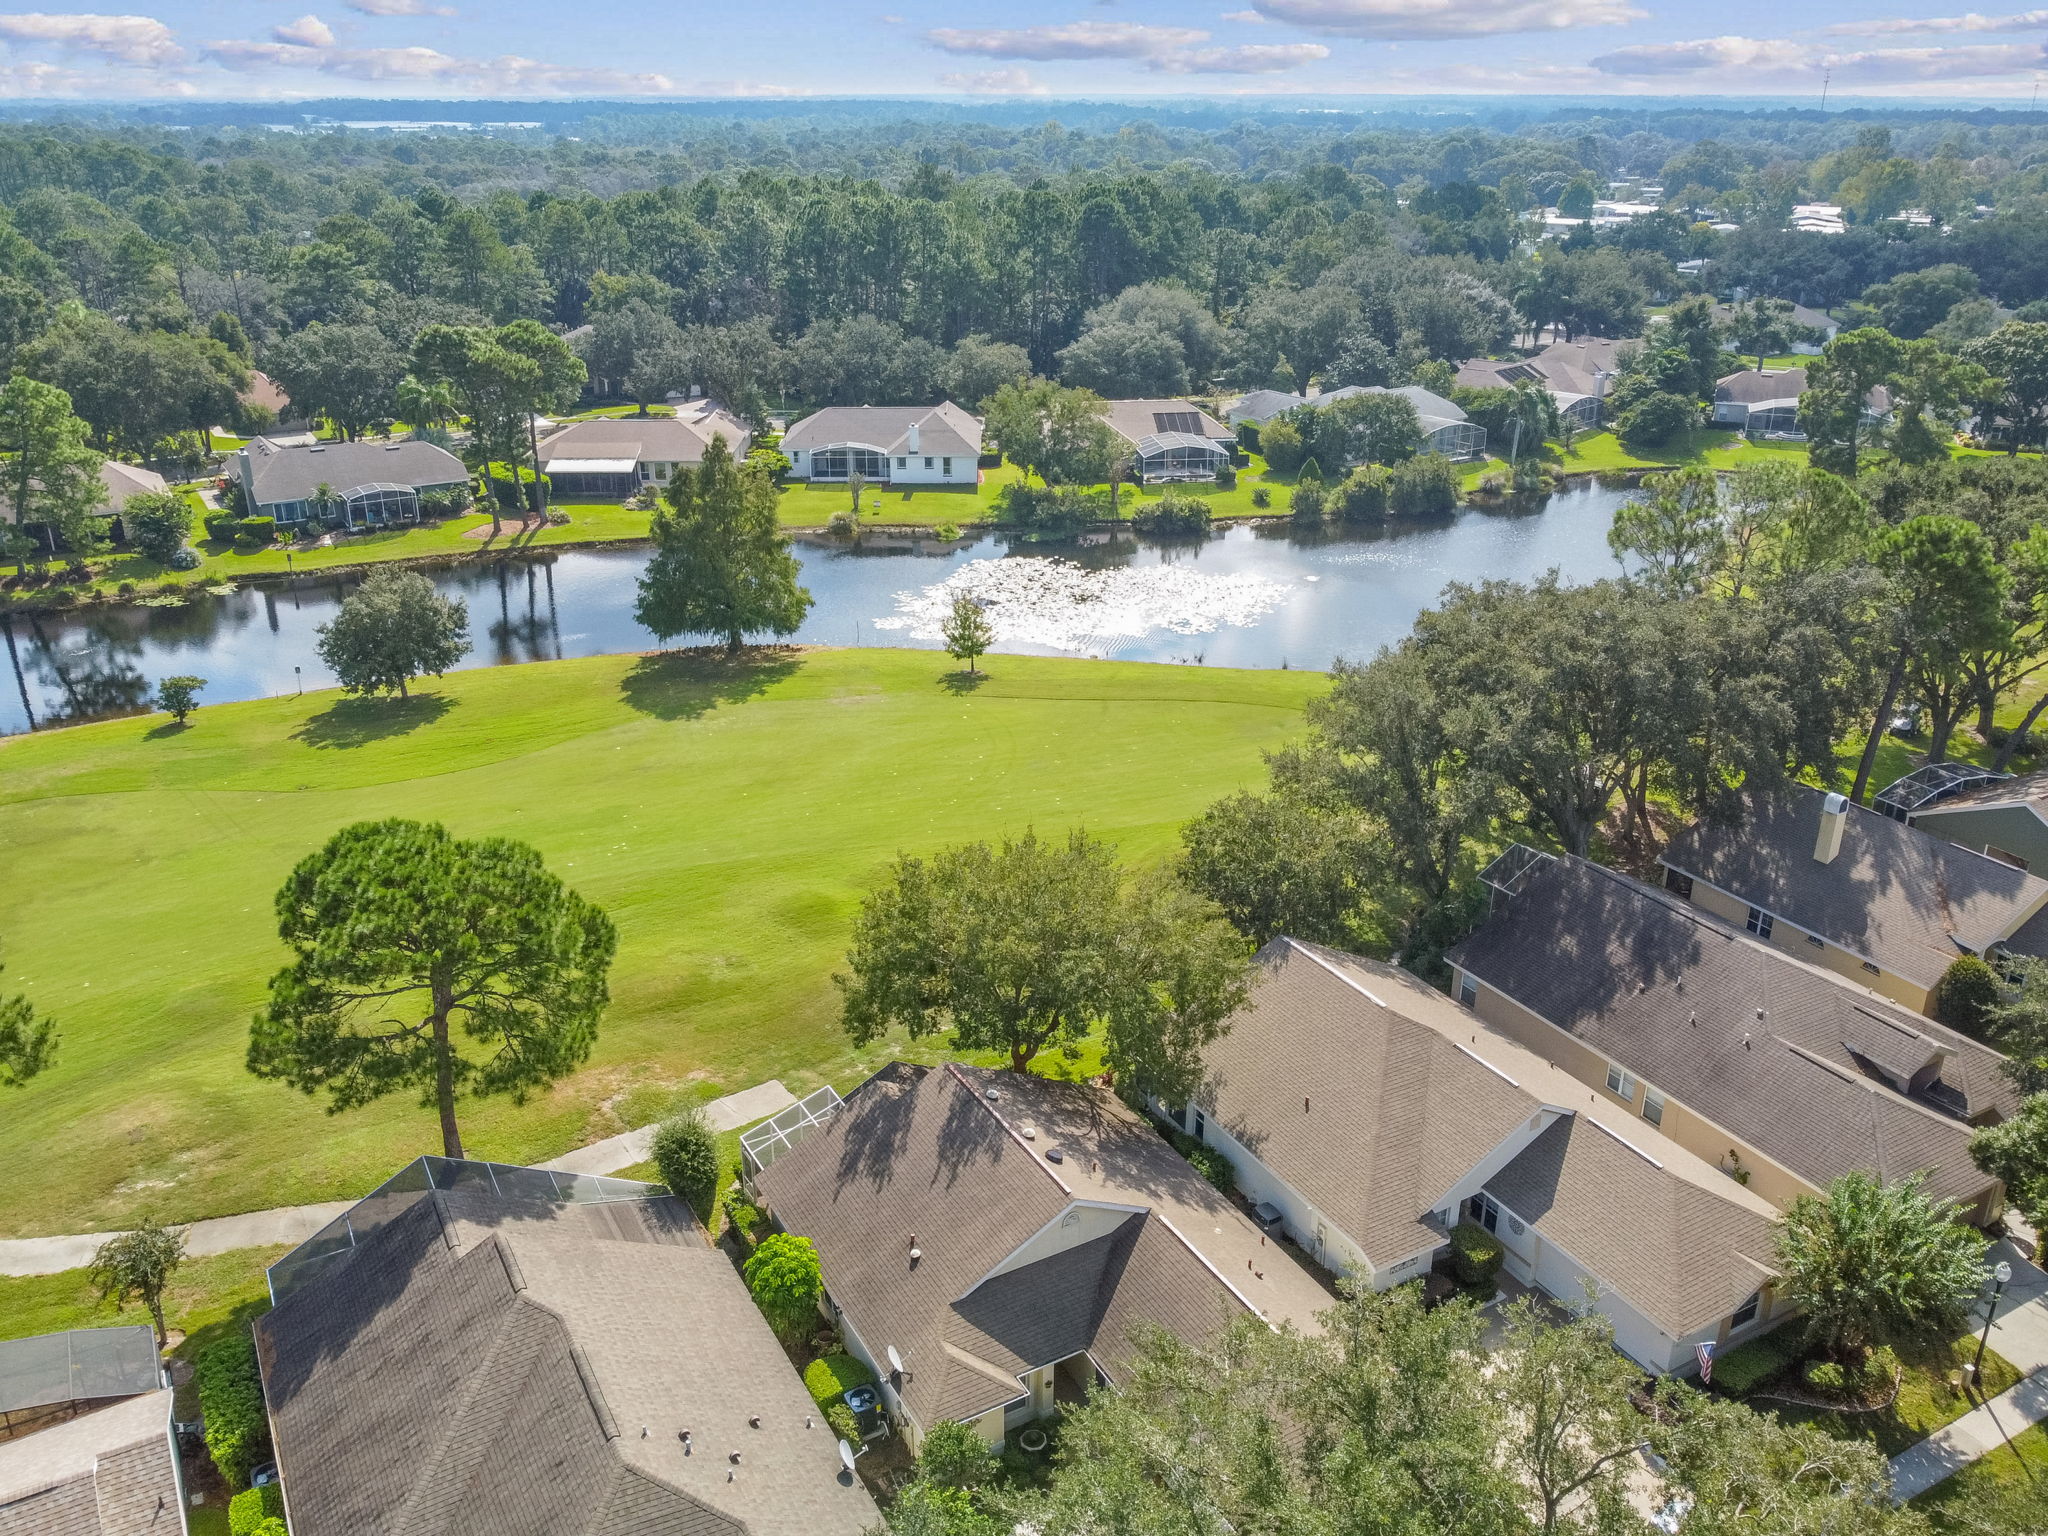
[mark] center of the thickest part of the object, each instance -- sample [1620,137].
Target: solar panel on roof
[1177,421]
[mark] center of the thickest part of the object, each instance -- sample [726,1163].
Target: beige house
[989,1241]
[1757,1061]
[86,1445]
[1887,905]
[617,455]
[1372,1114]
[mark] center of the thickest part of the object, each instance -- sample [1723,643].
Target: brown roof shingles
[1754,1040]
[1894,895]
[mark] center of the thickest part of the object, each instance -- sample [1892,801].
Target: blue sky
[249,48]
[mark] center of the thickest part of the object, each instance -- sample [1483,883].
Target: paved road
[296,1223]
[2020,1333]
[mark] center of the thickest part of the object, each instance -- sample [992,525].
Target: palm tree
[425,404]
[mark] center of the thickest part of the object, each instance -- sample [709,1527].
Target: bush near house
[1743,1369]
[1175,512]
[1208,1162]
[221,526]
[743,1215]
[1423,486]
[1966,996]
[1476,1254]
[685,1153]
[830,1377]
[249,1509]
[256,530]
[231,1402]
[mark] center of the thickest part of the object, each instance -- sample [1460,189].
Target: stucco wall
[1792,940]
[1315,1233]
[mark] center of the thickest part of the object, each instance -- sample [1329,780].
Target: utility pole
[1826,78]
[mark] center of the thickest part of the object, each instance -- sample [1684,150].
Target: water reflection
[1346,591]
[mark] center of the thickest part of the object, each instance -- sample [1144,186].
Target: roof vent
[915,1255]
[1055,1155]
[1759,1015]
[734,1458]
[1028,1132]
[990,1094]
[753,1422]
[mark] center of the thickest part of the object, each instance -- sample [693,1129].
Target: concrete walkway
[2020,1333]
[296,1223]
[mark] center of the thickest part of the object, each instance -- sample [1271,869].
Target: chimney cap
[1835,804]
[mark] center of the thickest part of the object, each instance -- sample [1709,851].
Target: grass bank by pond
[728,817]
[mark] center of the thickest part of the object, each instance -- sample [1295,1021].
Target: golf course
[727,815]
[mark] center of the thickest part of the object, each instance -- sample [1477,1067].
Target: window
[1870,968]
[1480,1208]
[1201,1126]
[1759,922]
[1677,884]
[1746,1313]
[1653,1107]
[1622,1084]
[927,461]
[946,468]
[1468,991]
[902,461]
[1992,850]
[1816,941]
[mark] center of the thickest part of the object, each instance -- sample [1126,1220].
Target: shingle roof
[942,429]
[1900,897]
[1133,420]
[1681,1254]
[492,1366]
[1373,1095]
[1261,405]
[661,439]
[934,1162]
[1780,1053]
[2022,789]
[1750,387]
[106,1473]
[1563,367]
[293,474]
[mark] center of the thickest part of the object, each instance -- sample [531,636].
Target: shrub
[1362,494]
[158,523]
[771,461]
[220,526]
[249,1509]
[1476,1254]
[1422,486]
[685,1152]
[1262,496]
[1966,997]
[1052,508]
[1307,501]
[1207,1161]
[1748,1366]
[946,531]
[444,503]
[845,523]
[256,530]
[274,1526]
[782,1275]
[844,1424]
[953,1455]
[231,1402]
[1175,512]
[830,1377]
[125,589]
[1280,440]
[1226,476]
[184,560]
[1827,1378]
[744,1215]
[1655,420]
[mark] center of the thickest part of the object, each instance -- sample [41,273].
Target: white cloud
[398,8]
[1069,40]
[1248,16]
[508,74]
[1403,20]
[125,39]
[995,82]
[307,32]
[1251,59]
[1706,53]
[2024,21]
[1753,61]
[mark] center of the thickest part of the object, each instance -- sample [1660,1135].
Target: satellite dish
[846,1455]
[895,1360]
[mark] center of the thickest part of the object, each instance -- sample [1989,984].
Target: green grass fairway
[728,817]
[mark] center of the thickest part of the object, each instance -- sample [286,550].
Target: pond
[1248,596]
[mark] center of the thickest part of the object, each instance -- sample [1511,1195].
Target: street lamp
[302,686]
[2000,1276]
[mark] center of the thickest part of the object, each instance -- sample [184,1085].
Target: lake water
[1265,596]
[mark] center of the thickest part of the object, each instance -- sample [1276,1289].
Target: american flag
[1706,1356]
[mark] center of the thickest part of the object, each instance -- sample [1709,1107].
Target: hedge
[248,1509]
[231,1402]
[830,1377]
[1476,1253]
[256,530]
[221,526]
[1748,1366]
[1208,1162]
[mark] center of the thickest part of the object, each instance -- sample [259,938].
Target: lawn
[204,1294]
[2024,1457]
[728,818]
[1716,450]
[1924,1404]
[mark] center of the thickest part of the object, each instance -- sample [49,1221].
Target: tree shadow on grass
[358,722]
[681,685]
[165,729]
[962,682]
